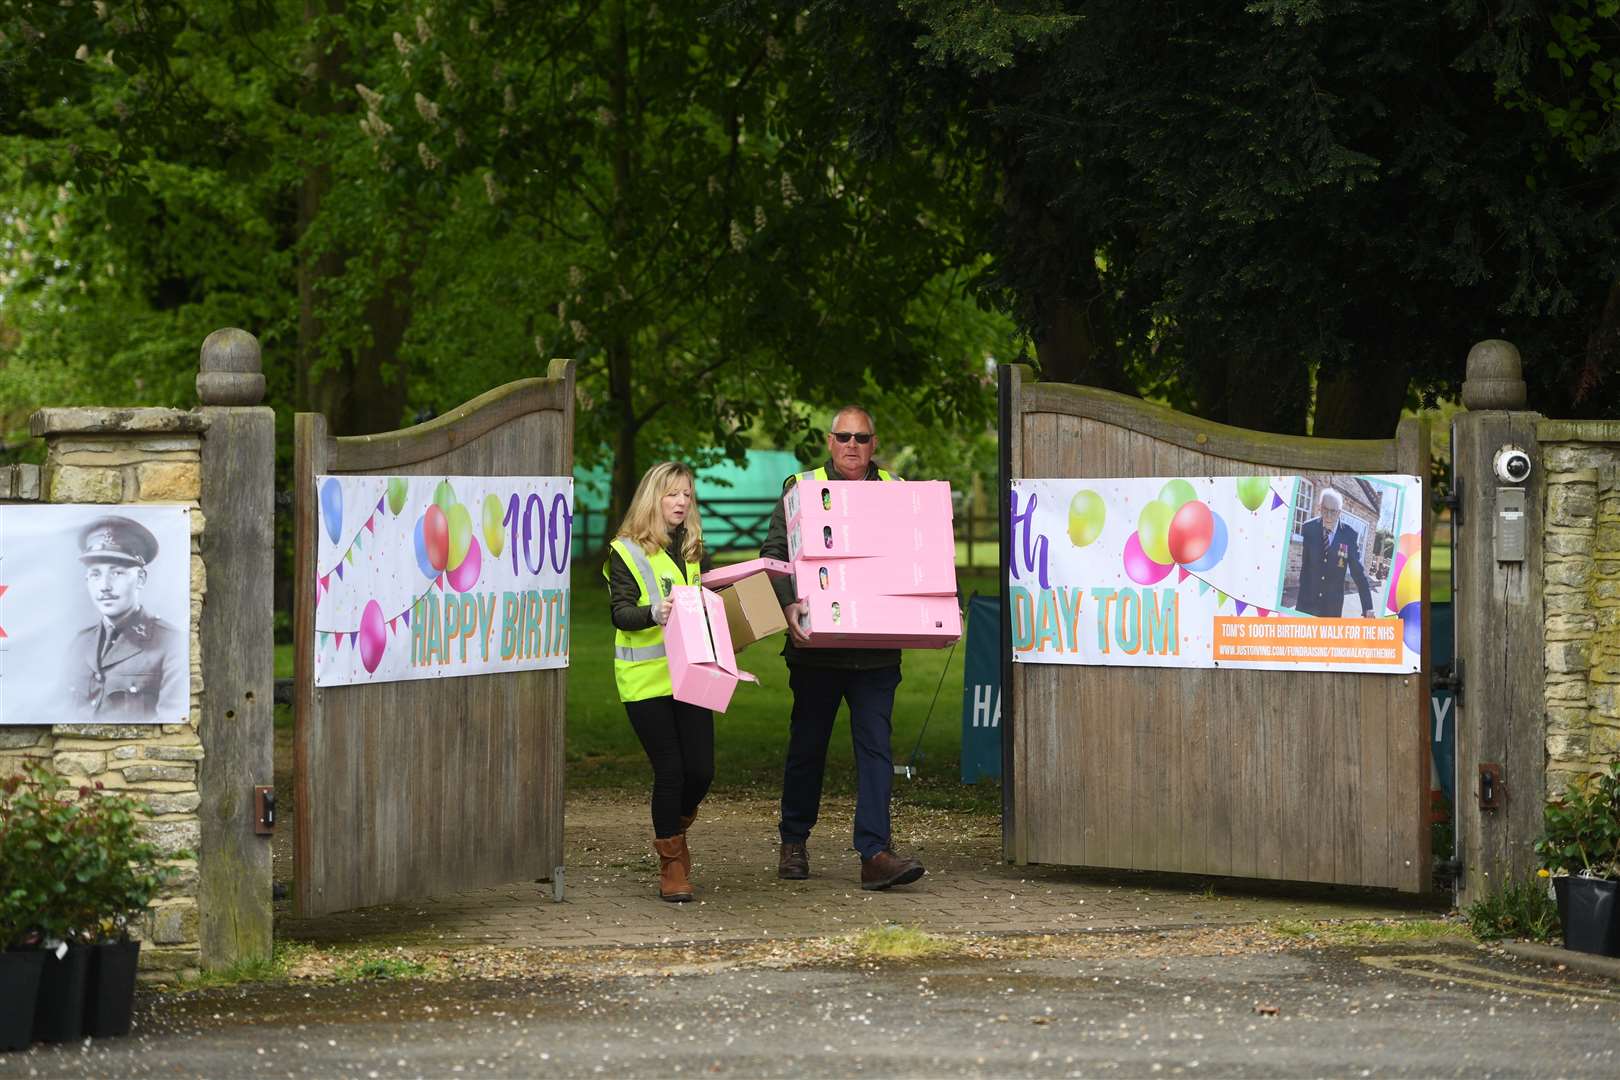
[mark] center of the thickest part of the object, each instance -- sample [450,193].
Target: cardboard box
[926,540]
[825,501]
[697,642]
[728,575]
[875,575]
[890,622]
[752,610]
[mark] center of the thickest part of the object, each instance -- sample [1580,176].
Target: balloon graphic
[1412,626]
[1410,544]
[1153,530]
[1139,566]
[373,636]
[398,488]
[436,537]
[465,575]
[1251,491]
[461,533]
[1409,589]
[494,517]
[1395,579]
[422,560]
[443,497]
[1191,531]
[1087,512]
[332,507]
[1176,494]
[1217,546]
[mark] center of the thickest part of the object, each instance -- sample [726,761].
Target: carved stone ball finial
[230,372]
[1495,377]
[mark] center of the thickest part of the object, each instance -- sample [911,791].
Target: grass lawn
[751,738]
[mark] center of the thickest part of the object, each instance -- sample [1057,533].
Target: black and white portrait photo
[96,613]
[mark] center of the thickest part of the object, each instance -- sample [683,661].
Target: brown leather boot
[686,856]
[672,883]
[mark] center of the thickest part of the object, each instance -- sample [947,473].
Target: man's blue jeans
[817,694]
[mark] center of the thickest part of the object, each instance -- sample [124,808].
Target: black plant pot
[1589,908]
[19,987]
[59,1010]
[110,992]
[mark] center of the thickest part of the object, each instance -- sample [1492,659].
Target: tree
[1263,212]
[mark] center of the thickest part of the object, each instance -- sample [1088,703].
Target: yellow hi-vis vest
[639,666]
[821,474]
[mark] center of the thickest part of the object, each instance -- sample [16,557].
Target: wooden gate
[1299,776]
[413,788]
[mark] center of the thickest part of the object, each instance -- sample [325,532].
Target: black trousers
[679,741]
[817,694]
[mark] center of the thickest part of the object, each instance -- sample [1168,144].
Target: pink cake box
[913,622]
[875,575]
[821,502]
[702,666]
[729,575]
[925,540]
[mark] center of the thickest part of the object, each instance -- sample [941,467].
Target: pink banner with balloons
[425,577]
[1313,571]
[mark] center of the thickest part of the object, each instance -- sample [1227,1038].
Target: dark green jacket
[776,547]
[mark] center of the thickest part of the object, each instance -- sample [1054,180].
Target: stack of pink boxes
[875,562]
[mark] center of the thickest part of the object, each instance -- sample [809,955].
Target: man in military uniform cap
[129,666]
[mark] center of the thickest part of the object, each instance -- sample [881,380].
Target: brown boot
[672,883]
[686,856]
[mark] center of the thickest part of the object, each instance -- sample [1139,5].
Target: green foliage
[1581,831]
[369,966]
[74,863]
[1520,909]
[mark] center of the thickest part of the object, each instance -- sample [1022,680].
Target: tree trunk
[1359,402]
[363,391]
[621,365]
[1076,343]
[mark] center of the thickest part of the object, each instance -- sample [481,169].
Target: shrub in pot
[1580,851]
[23,899]
[125,877]
[95,875]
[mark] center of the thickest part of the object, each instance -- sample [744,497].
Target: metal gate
[1302,776]
[408,789]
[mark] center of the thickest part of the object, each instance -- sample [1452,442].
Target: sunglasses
[861,437]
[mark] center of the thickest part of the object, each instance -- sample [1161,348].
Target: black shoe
[886,869]
[793,864]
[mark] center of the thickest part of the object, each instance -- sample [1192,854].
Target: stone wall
[134,456]
[1582,596]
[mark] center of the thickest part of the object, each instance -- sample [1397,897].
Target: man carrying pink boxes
[874,571]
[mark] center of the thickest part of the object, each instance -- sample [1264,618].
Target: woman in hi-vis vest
[660,545]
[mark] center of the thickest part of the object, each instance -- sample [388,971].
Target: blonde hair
[644,522]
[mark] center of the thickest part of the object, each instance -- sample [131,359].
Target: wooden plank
[457,782]
[237,718]
[1285,453]
[311,449]
[1410,856]
[1251,773]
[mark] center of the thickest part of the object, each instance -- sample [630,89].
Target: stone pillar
[1582,546]
[104,455]
[1500,638]
[236,715]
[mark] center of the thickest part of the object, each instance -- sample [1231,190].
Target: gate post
[236,717]
[1500,633]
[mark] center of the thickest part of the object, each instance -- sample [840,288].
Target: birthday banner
[1311,572]
[426,577]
